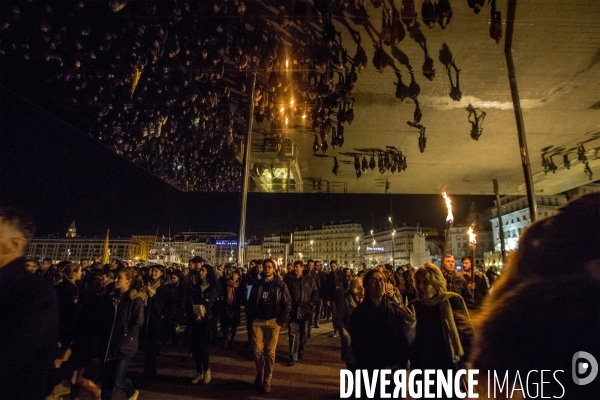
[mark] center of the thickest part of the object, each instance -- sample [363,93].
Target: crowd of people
[60,318]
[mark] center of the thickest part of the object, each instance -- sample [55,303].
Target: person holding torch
[476,282]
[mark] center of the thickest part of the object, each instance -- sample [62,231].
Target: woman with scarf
[203,293]
[443,333]
[120,334]
[230,316]
[381,330]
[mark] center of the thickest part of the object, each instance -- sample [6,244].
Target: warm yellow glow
[281,109]
[472,235]
[303,116]
[292,102]
[286,120]
[287,63]
[450,217]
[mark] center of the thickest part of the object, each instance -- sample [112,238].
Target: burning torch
[449,219]
[472,245]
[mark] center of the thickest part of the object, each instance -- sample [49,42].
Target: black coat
[337,284]
[88,326]
[121,326]
[303,302]
[67,293]
[28,329]
[457,284]
[197,296]
[156,312]
[378,339]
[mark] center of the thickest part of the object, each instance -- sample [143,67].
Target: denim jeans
[265,337]
[114,373]
[298,336]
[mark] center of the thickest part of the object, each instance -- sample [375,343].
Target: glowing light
[450,217]
[281,109]
[287,63]
[286,121]
[292,102]
[303,116]
[300,255]
[472,235]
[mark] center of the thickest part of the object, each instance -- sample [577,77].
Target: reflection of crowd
[165,83]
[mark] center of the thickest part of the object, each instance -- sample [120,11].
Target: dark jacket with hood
[283,301]
[121,326]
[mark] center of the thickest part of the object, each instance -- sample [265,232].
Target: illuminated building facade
[82,248]
[334,241]
[379,248]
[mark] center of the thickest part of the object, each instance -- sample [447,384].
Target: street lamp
[311,248]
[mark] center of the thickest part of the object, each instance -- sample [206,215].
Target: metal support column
[510,24]
[500,225]
[246,173]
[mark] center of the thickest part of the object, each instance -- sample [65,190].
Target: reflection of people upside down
[476,122]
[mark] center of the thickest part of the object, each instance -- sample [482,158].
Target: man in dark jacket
[304,295]
[248,282]
[336,286]
[321,305]
[454,282]
[28,314]
[268,308]
[313,273]
[479,287]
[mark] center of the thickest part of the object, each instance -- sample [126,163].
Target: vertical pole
[246,173]
[510,23]
[500,225]
[285,256]
[288,177]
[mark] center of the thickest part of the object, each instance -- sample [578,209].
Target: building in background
[82,248]
[215,247]
[72,231]
[458,243]
[515,218]
[394,245]
[273,248]
[340,241]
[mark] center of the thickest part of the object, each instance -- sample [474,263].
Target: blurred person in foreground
[28,314]
[545,307]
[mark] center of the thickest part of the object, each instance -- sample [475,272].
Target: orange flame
[472,235]
[450,217]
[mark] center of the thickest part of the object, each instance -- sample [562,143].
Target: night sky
[59,174]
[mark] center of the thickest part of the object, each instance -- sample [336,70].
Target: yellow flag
[106,259]
[137,74]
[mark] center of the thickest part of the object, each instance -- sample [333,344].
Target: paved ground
[314,377]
